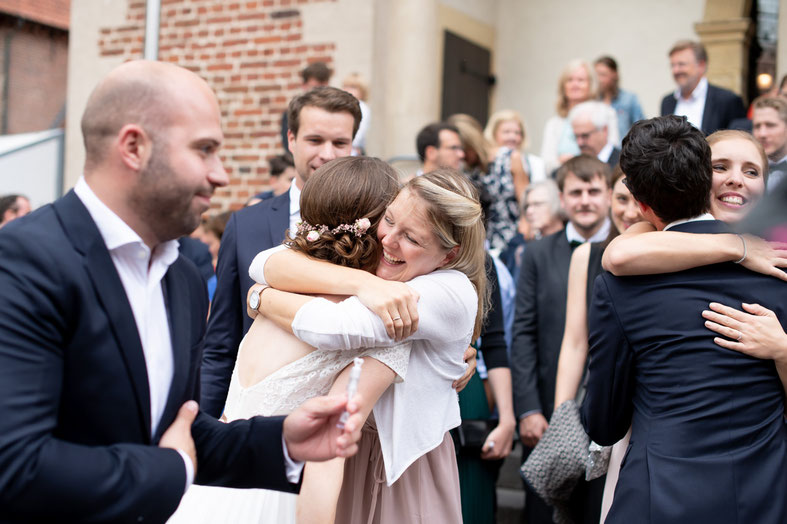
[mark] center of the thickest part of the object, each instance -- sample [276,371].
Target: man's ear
[643,208]
[290,141]
[134,146]
[430,154]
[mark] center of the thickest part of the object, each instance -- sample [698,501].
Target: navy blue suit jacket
[708,442]
[722,107]
[248,232]
[75,428]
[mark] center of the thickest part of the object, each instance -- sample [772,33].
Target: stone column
[726,32]
[407,73]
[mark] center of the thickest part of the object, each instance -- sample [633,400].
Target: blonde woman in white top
[432,241]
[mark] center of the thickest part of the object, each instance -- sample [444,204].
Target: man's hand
[395,303]
[311,434]
[531,429]
[470,359]
[178,434]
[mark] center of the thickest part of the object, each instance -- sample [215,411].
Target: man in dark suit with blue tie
[322,124]
[708,437]
[102,324]
[707,106]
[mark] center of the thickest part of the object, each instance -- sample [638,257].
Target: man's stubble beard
[160,201]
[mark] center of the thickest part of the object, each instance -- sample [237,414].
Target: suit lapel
[280,218]
[707,112]
[84,235]
[177,304]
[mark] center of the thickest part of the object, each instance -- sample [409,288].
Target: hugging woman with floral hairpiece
[417,259]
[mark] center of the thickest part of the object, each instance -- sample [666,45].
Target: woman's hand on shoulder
[765,257]
[395,303]
[756,332]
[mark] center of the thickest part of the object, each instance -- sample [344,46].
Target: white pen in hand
[352,388]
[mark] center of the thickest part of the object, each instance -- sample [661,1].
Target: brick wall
[36,75]
[250,53]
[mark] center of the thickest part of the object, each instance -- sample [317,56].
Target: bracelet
[744,248]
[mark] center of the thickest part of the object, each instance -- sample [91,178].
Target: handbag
[470,435]
[559,460]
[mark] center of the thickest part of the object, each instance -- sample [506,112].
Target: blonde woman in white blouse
[432,239]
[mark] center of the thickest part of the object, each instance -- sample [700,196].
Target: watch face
[254,299]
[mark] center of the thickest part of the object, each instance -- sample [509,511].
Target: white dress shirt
[693,107]
[605,153]
[141,272]
[295,207]
[601,235]
[704,216]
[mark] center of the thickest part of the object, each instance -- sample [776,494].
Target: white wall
[536,39]
[85,69]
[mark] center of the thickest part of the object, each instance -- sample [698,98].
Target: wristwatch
[254,299]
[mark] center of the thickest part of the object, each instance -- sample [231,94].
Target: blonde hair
[453,209]
[504,115]
[736,134]
[356,80]
[472,136]
[562,100]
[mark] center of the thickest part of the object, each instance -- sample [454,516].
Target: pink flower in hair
[311,236]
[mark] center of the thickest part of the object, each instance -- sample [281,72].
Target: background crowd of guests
[553,223]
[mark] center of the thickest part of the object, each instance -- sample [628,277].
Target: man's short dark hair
[700,54]
[328,99]
[667,162]
[280,163]
[430,136]
[318,71]
[9,202]
[585,168]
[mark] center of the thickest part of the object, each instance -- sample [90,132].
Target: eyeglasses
[584,136]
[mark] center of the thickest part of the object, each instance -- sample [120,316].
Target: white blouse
[413,416]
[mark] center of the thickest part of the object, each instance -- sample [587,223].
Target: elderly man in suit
[708,438]
[322,124]
[708,107]
[101,326]
[540,313]
[590,123]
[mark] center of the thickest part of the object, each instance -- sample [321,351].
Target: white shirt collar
[605,153]
[601,235]
[698,94]
[115,232]
[704,216]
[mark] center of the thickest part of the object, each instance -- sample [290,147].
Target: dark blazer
[614,158]
[75,442]
[708,442]
[248,232]
[538,323]
[722,106]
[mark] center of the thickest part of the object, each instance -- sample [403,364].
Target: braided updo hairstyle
[341,192]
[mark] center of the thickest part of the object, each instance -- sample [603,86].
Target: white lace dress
[278,394]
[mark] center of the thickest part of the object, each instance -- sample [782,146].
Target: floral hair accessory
[358,228]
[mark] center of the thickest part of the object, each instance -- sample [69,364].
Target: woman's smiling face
[410,247]
[738,181]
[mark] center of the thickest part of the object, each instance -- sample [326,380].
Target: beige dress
[426,493]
